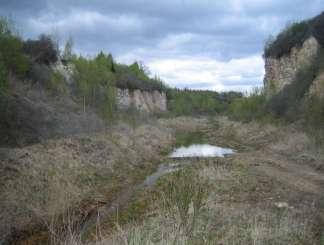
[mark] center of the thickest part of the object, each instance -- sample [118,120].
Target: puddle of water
[203,150]
[161,171]
[199,150]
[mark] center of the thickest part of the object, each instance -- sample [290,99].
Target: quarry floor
[275,169]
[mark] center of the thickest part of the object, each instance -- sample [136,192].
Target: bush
[294,35]
[11,56]
[313,114]
[12,59]
[188,102]
[39,73]
[3,79]
[95,81]
[248,108]
[42,51]
[288,102]
[318,28]
[136,76]
[183,191]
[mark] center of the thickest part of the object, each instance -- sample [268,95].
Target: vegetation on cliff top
[294,35]
[292,104]
[31,59]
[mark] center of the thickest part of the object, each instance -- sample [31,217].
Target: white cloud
[236,74]
[199,44]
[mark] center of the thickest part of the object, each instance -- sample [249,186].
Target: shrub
[248,108]
[313,114]
[288,102]
[42,51]
[318,28]
[57,83]
[185,191]
[188,102]
[294,35]
[3,80]
[40,73]
[136,76]
[67,52]
[95,81]
[12,60]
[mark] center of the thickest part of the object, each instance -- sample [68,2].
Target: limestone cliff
[145,101]
[153,101]
[32,113]
[281,71]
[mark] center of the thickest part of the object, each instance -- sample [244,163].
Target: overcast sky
[200,44]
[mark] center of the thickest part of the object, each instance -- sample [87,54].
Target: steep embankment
[145,101]
[50,189]
[31,112]
[281,71]
[296,53]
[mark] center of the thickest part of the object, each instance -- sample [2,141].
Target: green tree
[12,59]
[68,50]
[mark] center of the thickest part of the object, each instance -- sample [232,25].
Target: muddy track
[299,177]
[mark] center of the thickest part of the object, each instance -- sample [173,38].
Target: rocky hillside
[127,96]
[32,112]
[46,92]
[295,49]
[282,71]
[147,101]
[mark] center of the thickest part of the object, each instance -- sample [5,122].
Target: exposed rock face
[145,101]
[31,114]
[317,87]
[66,70]
[282,71]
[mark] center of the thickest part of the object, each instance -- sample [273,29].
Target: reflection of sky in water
[201,151]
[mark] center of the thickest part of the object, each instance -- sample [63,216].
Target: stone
[146,101]
[280,72]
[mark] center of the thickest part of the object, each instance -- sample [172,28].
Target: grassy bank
[241,199]
[54,186]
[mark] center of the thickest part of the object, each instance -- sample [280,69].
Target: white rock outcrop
[146,101]
[280,72]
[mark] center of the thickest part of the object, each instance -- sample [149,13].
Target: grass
[248,108]
[189,138]
[211,201]
[270,227]
[185,213]
[58,183]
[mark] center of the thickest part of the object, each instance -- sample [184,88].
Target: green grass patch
[186,139]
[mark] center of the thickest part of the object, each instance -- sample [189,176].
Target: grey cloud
[141,29]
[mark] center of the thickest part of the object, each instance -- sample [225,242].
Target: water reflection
[204,150]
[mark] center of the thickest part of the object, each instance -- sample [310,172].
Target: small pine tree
[68,50]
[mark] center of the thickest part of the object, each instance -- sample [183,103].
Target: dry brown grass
[236,208]
[287,140]
[57,183]
[221,223]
